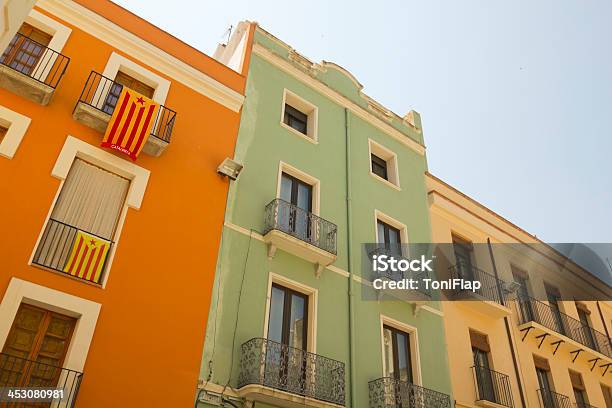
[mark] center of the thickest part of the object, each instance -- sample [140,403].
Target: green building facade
[326,170]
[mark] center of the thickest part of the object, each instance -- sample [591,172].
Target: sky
[515,96]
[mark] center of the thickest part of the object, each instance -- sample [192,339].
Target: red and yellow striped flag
[87,257]
[131,122]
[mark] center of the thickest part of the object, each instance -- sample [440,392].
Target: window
[463,257]
[543,375]
[383,164]
[397,355]
[79,233]
[288,318]
[36,336]
[296,119]
[3,131]
[388,235]
[299,116]
[296,217]
[607,393]
[25,49]
[482,369]
[379,167]
[578,389]
[13,127]
[585,331]
[525,306]
[553,296]
[122,79]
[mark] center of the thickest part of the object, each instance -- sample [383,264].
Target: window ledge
[300,134]
[386,182]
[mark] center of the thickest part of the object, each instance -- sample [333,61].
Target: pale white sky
[515,95]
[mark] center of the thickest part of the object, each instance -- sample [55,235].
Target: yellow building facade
[525,341]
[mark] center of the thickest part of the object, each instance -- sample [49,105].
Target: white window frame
[86,311]
[412,331]
[390,157]
[313,298]
[306,178]
[16,125]
[138,176]
[59,36]
[307,108]
[379,215]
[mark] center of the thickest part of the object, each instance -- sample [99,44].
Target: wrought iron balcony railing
[493,386]
[278,366]
[58,242]
[491,287]
[35,60]
[283,216]
[388,392]
[551,399]
[532,310]
[102,93]
[20,372]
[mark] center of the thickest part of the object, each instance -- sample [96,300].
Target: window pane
[296,322]
[379,167]
[286,184]
[403,358]
[275,323]
[388,347]
[295,119]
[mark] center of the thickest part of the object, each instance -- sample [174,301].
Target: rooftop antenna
[229,33]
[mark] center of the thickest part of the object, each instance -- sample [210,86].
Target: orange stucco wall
[147,344]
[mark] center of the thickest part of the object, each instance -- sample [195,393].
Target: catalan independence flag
[87,257]
[131,123]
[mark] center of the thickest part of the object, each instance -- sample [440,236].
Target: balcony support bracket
[526,332]
[605,367]
[578,351]
[318,270]
[542,337]
[594,361]
[271,250]
[557,344]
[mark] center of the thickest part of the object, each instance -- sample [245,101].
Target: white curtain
[91,200]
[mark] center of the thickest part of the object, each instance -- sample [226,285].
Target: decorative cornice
[140,50]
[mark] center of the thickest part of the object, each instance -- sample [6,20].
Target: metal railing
[56,245]
[491,287]
[397,251]
[493,386]
[102,93]
[301,224]
[389,392]
[532,310]
[20,372]
[35,60]
[551,399]
[292,370]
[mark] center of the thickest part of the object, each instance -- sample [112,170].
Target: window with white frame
[79,234]
[13,127]
[400,351]
[383,163]
[299,116]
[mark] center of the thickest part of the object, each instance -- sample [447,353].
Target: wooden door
[25,49]
[35,348]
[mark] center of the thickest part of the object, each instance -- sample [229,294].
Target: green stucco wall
[241,283]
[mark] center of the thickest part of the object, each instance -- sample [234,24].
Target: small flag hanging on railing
[131,122]
[87,257]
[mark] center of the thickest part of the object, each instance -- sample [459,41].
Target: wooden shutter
[479,341]
[577,382]
[132,83]
[541,363]
[35,34]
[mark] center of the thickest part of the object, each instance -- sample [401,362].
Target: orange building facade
[107,263]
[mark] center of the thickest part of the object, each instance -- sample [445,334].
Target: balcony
[19,372]
[277,374]
[300,233]
[396,251]
[388,392]
[492,388]
[97,104]
[56,246]
[551,399]
[546,321]
[31,70]
[490,299]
